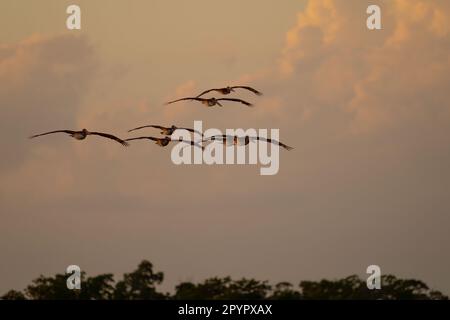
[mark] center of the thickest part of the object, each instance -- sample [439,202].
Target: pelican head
[84,131]
[211,102]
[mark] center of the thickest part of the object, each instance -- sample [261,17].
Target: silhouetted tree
[347,288]
[140,284]
[248,289]
[52,288]
[223,288]
[406,289]
[55,288]
[354,288]
[13,295]
[285,291]
[212,288]
[100,287]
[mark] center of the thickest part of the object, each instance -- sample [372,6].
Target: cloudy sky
[367,111]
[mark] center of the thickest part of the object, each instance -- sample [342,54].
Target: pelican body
[80,135]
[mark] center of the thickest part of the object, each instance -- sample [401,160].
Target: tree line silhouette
[141,284]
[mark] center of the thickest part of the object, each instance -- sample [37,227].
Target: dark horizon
[143,283]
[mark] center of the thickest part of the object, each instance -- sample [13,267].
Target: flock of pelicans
[168,131]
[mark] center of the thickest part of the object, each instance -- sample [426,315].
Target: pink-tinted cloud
[42,81]
[377,79]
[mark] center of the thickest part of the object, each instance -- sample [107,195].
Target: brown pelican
[211,102]
[224,138]
[163,142]
[228,90]
[165,130]
[81,135]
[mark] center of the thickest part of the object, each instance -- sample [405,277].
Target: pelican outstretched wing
[56,131]
[110,136]
[236,100]
[147,126]
[217,137]
[183,99]
[207,91]
[191,142]
[268,140]
[139,138]
[248,88]
[221,138]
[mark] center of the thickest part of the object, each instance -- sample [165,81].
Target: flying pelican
[228,90]
[81,135]
[165,130]
[211,102]
[223,138]
[163,142]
